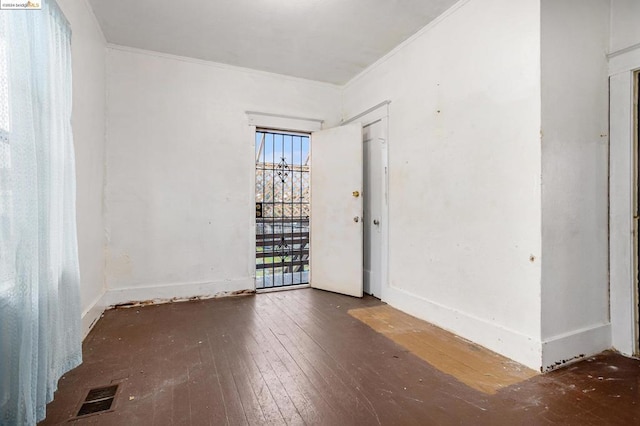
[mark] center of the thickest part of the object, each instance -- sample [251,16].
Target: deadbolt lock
[356,194]
[356,219]
[376,222]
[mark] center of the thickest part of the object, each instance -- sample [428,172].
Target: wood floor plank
[277,388]
[324,378]
[244,363]
[324,366]
[204,389]
[233,407]
[305,375]
[288,377]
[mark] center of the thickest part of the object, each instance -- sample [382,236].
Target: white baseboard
[512,344]
[149,294]
[92,314]
[573,346]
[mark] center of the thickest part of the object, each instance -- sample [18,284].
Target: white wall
[575,298]
[464,162]
[180,170]
[625,30]
[88,121]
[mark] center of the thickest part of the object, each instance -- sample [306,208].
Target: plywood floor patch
[473,365]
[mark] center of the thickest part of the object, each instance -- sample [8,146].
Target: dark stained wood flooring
[298,357]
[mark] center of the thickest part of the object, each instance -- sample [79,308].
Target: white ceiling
[324,40]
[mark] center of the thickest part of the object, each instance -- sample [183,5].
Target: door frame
[380,112]
[279,123]
[623,241]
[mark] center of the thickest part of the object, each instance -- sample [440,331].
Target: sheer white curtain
[40,331]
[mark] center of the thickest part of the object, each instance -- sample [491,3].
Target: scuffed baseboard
[154,294]
[92,314]
[575,345]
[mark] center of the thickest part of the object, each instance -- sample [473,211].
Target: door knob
[376,222]
[356,219]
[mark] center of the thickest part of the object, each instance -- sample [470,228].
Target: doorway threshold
[282,288]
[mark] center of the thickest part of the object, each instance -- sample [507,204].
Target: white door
[336,210]
[374,181]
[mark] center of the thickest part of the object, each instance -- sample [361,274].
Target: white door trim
[283,122]
[380,112]
[622,281]
[374,113]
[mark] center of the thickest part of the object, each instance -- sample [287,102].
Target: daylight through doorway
[282,209]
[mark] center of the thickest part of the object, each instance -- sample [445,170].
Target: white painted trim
[623,51]
[91,315]
[218,65]
[371,115]
[621,188]
[626,61]
[446,14]
[561,350]
[251,258]
[177,291]
[283,122]
[384,267]
[510,343]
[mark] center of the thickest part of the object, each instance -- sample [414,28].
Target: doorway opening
[282,196]
[375,194]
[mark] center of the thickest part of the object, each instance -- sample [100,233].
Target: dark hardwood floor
[298,357]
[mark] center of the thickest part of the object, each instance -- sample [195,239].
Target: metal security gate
[282,209]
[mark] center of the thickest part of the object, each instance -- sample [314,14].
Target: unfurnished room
[319,212]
